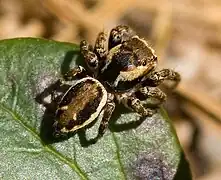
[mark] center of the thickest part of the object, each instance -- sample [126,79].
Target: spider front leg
[147,93]
[133,103]
[119,34]
[90,57]
[99,47]
[156,78]
[63,84]
[106,115]
[76,72]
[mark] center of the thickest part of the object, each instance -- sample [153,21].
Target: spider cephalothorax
[125,73]
[127,63]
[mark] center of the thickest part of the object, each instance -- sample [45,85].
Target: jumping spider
[124,74]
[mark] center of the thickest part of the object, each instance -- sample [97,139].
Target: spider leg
[99,47]
[147,93]
[135,104]
[119,34]
[76,72]
[63,84]
[90,57]
[156,78]
[100,50]
[106,115]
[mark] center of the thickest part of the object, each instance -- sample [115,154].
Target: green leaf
[132,148]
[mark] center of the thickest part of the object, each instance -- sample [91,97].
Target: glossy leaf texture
[132,148]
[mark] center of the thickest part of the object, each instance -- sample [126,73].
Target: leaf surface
[132,148]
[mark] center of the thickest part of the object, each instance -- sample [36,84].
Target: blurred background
[186,36]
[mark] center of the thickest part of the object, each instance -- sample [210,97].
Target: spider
[125,73]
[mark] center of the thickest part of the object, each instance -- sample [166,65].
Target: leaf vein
[15,89]
[26,150]
[123,174]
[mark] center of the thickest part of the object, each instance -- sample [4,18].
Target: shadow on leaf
[183,170]
[46,129]
[113,126]
[68,59]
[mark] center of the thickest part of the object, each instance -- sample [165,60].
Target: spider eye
[116,39]
[144,63]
